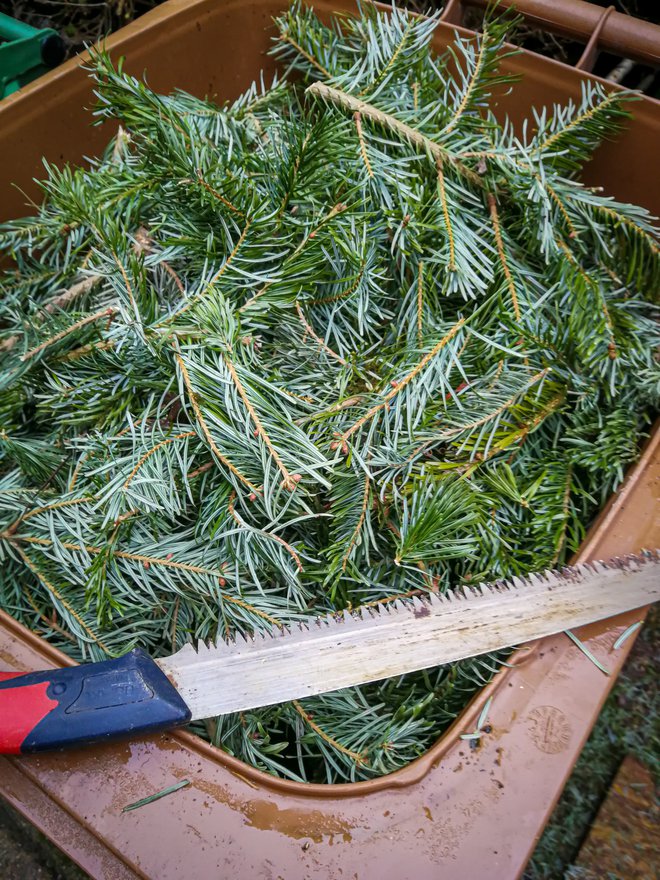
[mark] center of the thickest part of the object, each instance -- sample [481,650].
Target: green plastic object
[25,53]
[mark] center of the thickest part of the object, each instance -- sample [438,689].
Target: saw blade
[377,642]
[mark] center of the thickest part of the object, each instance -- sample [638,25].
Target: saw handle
[92,703]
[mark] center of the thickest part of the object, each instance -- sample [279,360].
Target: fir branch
[363,147]
[289,481]
[400,385]
[392,60]
[269,535]
[472,84]
[566,500]
[287,38]
[83,322]
[213,280]
[192,397]
[406,132]
[180,436]
[588,114]
[592,285]
[53,591]
[9,342]
[451,266]
[200,470]
[420,300]
[127,282]
[217,195]
[493,416]
[354,756]
[492,205]
[333,212]
[396,598]
[234,600]
[55,505]
[358,528]
[572,231]
[76,473]
[142,558]
[50,622]
[309,329]
[343,294]
[628,223]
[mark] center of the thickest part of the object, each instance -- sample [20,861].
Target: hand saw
[135,695]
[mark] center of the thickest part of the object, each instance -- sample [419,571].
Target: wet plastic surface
[454,813]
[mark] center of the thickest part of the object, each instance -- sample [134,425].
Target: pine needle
[157,796]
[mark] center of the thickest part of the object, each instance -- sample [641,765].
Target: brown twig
[492,205]
[73,293]
[207,434]
[405,381]
[354,756]
[102,313]
[386,120]
[200,470]
[309,329]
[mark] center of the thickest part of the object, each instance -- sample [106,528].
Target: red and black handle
[93,703]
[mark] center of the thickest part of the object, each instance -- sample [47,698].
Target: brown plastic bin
[456,813]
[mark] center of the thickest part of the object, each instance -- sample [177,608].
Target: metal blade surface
[373,643]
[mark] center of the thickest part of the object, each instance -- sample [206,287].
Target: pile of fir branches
[344,339]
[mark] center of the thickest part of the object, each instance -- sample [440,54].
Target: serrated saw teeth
[429,604]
